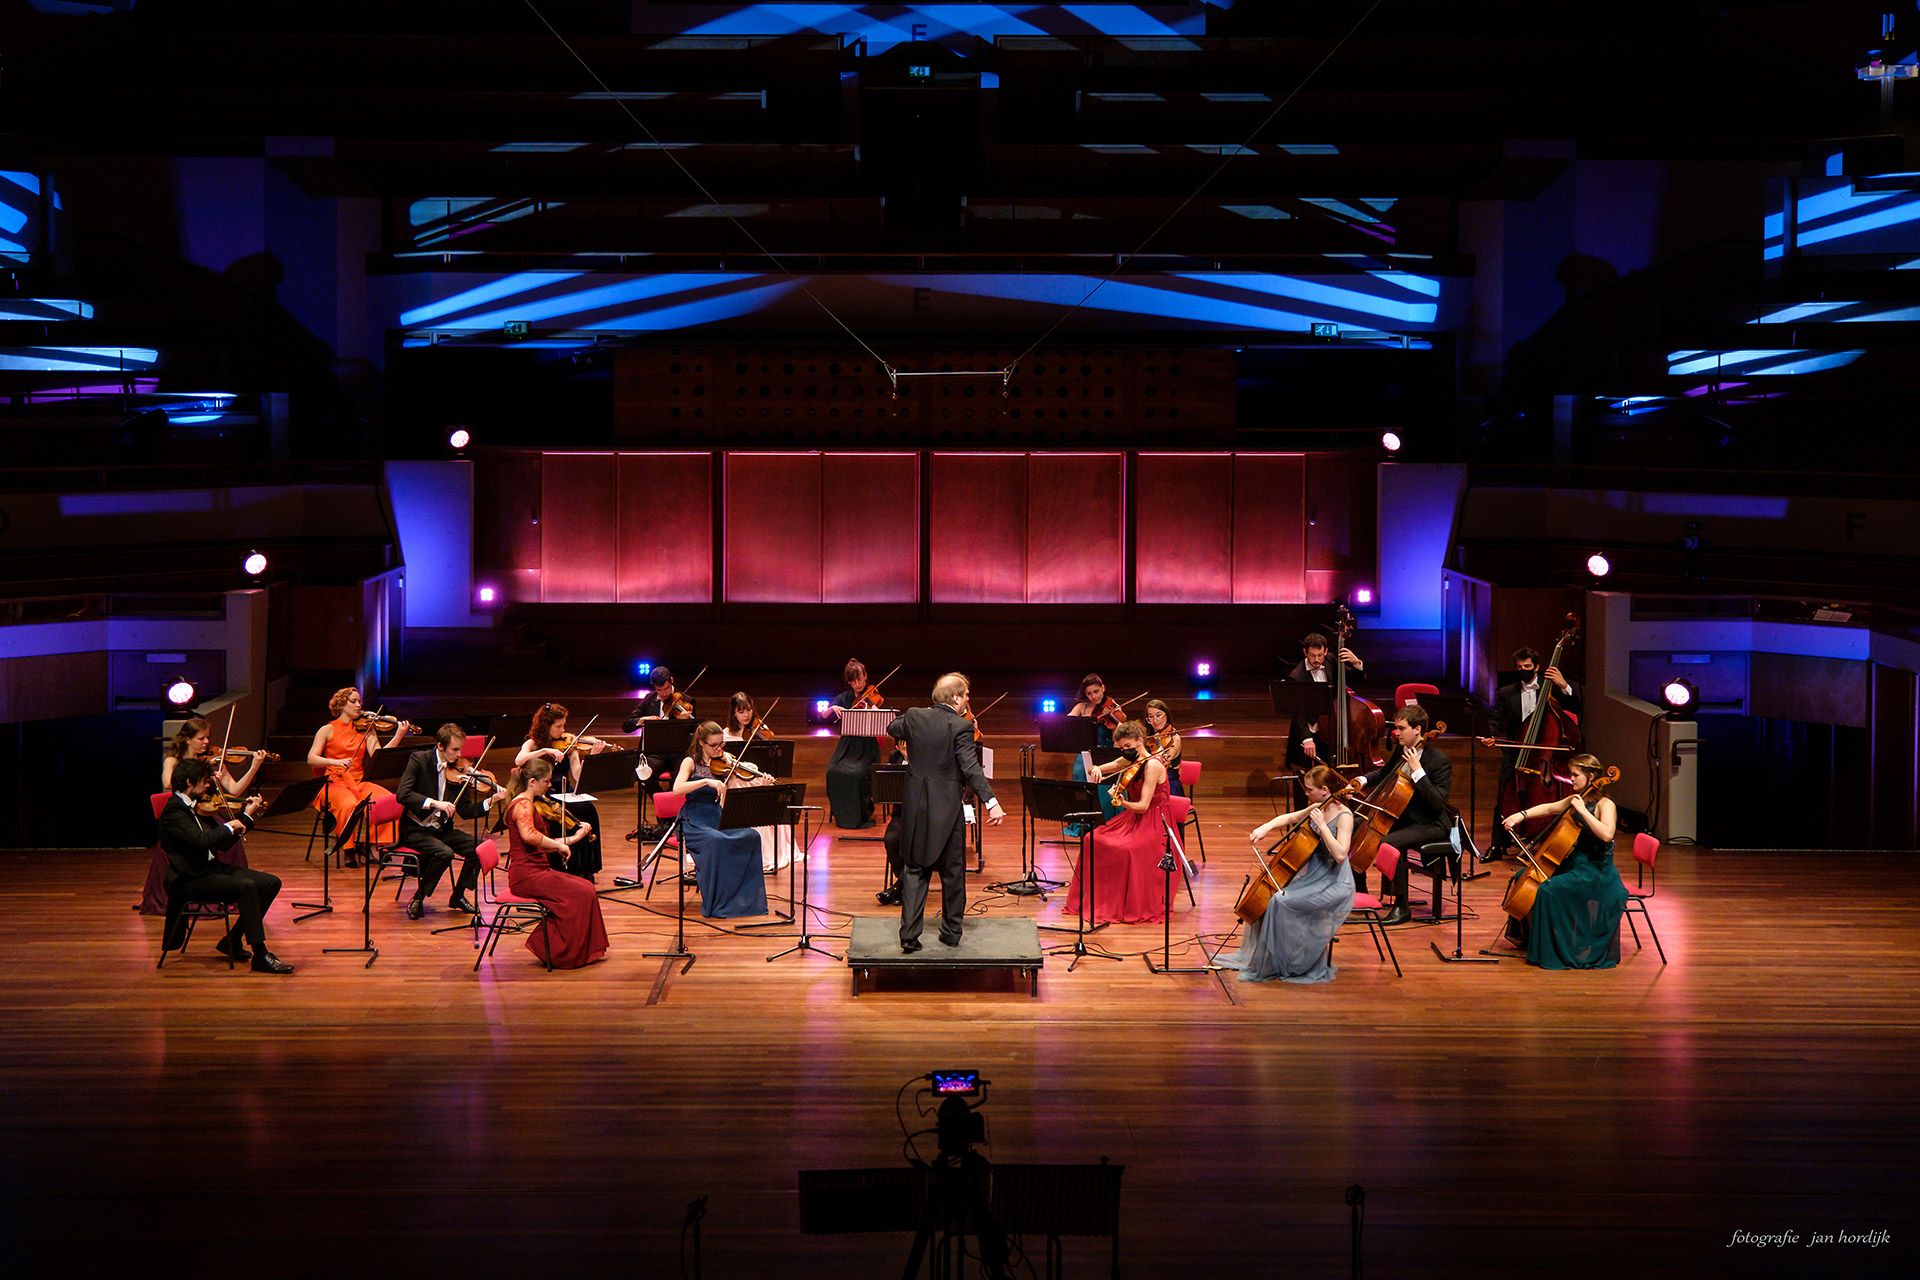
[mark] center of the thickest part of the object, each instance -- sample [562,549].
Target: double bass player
[1514,708]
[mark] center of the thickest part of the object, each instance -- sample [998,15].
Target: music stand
[1058,800]
[771,756]
[1462,714]
[679,951]
[761,810]
[295,799]
[362,814]
[1301,699]
[1459,955]
[889,785]
[1067,735]
[1031,883]
[1080,947]
[388,763]
[665,741]
[1166,965]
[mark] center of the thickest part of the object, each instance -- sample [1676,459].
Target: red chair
[1646,849]
[387,809]
[193,912]
[1180,810]
[473,747]
[666,807]
[1189,779]
[1370,911]
[509,912]
[1408,695]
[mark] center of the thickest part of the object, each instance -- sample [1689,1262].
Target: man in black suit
[1513,706]
[1427,817]
[430,827]
[1304,748]
[942,758]
[195,875]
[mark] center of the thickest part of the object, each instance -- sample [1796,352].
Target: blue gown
[726,863]
[1108,809]
[1293,941]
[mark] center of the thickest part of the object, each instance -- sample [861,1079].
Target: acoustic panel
[1183,528]
[665,528]
[579,528]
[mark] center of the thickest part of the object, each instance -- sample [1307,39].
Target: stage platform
[987,943]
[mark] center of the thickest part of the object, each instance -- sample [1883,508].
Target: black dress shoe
[267,962]
[888,897]
[462,903]
[415,908]
[234,951]
[1399,915]
[910,945]
[954,941]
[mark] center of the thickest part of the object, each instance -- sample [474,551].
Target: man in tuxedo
[1304,748]
[1513,706]
[430,827]
[195,875]
[656,772]
[1427,817]
[942,759]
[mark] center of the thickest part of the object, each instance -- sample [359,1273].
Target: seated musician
[1513,707]
[1163,740]
[1106,713]
[776,843]
[192,843]
[341,747]
[1575,921]
[576,935]
[431,828]
[1307,745]
[849,780]
[1427,818]
[194,741]
[664,703]
[548,727]
[1128,885]
[1293,940]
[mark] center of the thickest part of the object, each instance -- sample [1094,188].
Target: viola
[1383,805]
[1546,857]
[221,806]
[554,811]
[736,764]
[1118,791]
[1551,726]
[1283,861]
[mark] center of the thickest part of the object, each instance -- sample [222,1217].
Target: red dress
[1128,885]
[577,933]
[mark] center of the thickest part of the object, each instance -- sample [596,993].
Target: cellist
[1426,818]
[1304,749]
[1513,706]
[1293,940]
[1575,920]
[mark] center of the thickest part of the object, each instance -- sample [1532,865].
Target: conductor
[941,758]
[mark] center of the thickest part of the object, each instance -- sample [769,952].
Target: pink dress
[1128,885]
[576,933]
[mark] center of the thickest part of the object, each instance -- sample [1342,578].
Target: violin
[554,811]
[375,723]
[234,756]
[1118,791]
[676,703]
[870,696]
[1546,857]
[1550,727]
[1283,861]
[221,806]
[736,764]
[979,735]
[476,781]
[1115,718]
[567,742]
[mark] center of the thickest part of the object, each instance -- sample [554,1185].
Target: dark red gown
[1128,885]
[576,933]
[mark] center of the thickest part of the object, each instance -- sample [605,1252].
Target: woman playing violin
[1128,885]
[1106,713]
[1163,740]
[1575,921]
[776,843]
[1293,941]
[726,863]
[194,741]
[849,772]
[340,747]
[576,935]
[547,739]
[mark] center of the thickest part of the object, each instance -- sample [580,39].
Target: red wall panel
[1183,522]
[773,527]
[1076,553]
[579,496]
[870,528]
[666,528]
[979,534]
[1269,528]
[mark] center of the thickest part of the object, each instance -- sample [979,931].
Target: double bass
[1375,815]
[1550,726]
[1281,863]
[1358,724]
[1544,858]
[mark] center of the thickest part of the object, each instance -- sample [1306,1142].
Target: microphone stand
[1459,955]
[1166,964]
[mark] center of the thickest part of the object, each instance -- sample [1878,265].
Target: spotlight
[1049,706]
[643,668]
[1598,565]
[182,694]
[488,595]
[1363,595]
[460,438]
[255,564]
[1390,441]
[1202,670]
[1679,694]
[820,711]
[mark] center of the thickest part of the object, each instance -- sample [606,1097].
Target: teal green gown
[1575,921]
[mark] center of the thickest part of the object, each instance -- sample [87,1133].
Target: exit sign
[1320,330]
[518,328]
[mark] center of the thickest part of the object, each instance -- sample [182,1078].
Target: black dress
[584,858]
[850,776]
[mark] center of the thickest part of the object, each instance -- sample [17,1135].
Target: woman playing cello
[1293,940]
[1575,920]
[341,747]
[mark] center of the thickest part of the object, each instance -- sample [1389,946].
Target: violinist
[1106,713]
[1305,744]
[575,935]
[776,843]
[547,738]
[1163,740]
[1128,885]
[192,843]
[664,703]
[1575,921]
[1427,817]
[849,772]
[194,741]
[429,825]
[726,864]
[341,747]
[1513,707]
[1293,940]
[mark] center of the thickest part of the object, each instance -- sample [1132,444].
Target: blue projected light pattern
[881,26]
[1757,363]
[76,359]
[1830,217]
[1362,304]
[24,201]
[1840,313]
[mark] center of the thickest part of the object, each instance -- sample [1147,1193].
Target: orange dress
[347,785]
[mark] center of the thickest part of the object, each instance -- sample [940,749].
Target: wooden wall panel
[506,525]
[870,528]
[1183,522]
[1269,528]
[1343,495]
[772,535]
[54,685]
[1076,548]
[665,542]
[979,534]
[579,499]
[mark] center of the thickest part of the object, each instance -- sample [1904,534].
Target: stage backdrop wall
[925,528]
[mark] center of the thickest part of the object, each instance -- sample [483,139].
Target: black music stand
[1057,800]
[1080,947]
[606,772]
[756,807]
[1462,714]
[362,814]
[1067,735]
[679,951]
[388,763]
[771,756]
[295,799]
[666,741]
[1299,699]
[1459,955]
[1166,965]
[889,783]
[1031,883]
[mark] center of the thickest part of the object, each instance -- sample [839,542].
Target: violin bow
[990,706]
[873,686]
[681,693]
[467,777]
[740,757]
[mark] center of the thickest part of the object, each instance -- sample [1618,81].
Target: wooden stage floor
[414,1118]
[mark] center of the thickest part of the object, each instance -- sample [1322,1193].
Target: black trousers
[1407,837]
[915,881]
[252,892]
[437,848]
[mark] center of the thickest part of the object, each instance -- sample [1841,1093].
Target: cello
[1545,857]
[1374,816]
[1358,724]
[1281,863]
[1552,729]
